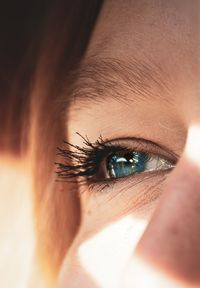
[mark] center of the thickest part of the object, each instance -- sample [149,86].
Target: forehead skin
[163,32]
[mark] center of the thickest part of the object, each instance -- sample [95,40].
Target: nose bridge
[171,240]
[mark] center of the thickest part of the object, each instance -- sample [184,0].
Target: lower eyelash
[126,183]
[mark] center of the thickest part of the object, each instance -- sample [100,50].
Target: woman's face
[136,105]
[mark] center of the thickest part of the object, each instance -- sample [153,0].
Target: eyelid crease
[171,155]
[118,141]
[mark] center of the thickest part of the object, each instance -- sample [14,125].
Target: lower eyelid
[129,195]
[124,182]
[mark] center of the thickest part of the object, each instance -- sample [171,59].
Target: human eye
[125,163]
[108,161]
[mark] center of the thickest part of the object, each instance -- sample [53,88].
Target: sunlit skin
[152,223]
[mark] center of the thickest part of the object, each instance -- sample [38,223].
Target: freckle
[174,230]
[89,212]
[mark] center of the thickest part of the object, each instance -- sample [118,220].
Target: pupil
[123,164]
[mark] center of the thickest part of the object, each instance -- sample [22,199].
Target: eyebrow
[98,79]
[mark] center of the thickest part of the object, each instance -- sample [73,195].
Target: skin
[154,223]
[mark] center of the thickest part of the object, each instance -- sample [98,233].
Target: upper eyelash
[82,162]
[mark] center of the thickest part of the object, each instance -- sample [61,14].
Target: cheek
[112,224]
[111,227]
[175,226]
[95,253]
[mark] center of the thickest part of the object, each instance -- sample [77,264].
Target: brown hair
[54,37]
[67,32]
[19,34]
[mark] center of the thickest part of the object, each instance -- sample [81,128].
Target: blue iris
[123,164]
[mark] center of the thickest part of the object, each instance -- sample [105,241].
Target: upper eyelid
[118,142]
[141,145]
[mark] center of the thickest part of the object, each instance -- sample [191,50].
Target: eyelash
[82,163]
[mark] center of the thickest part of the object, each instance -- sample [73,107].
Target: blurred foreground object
[16,227]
